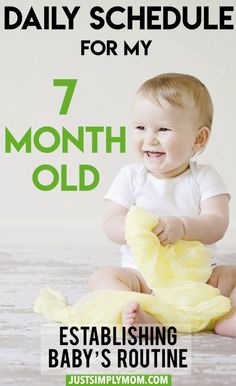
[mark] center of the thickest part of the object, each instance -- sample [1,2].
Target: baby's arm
[209,227]
[114,221]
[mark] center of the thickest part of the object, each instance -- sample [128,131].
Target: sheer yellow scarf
[176,273]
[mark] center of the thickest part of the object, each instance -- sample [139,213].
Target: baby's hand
[169,230]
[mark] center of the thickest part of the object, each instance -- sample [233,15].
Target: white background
[31,59]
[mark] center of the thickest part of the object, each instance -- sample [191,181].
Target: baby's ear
[201,138]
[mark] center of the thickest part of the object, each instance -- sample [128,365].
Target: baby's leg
[124,279]
[224,277]
[116,278]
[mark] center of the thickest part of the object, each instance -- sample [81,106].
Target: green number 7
[70,84]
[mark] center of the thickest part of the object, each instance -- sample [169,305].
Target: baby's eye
[140,128]
[164,129]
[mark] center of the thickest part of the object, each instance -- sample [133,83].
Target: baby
[172,122]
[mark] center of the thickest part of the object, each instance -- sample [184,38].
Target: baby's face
[164,136]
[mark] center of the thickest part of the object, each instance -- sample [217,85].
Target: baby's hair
[171,87]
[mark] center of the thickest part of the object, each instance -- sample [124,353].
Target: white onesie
[178,196]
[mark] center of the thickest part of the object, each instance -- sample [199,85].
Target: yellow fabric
[176,273]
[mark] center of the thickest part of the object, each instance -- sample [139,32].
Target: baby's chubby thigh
[117,278]
[224,278]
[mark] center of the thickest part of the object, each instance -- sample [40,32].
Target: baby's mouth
[154,154]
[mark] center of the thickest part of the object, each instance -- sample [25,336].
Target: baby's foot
[134,315]
[227,325]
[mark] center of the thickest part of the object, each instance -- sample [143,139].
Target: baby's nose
[152,139]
